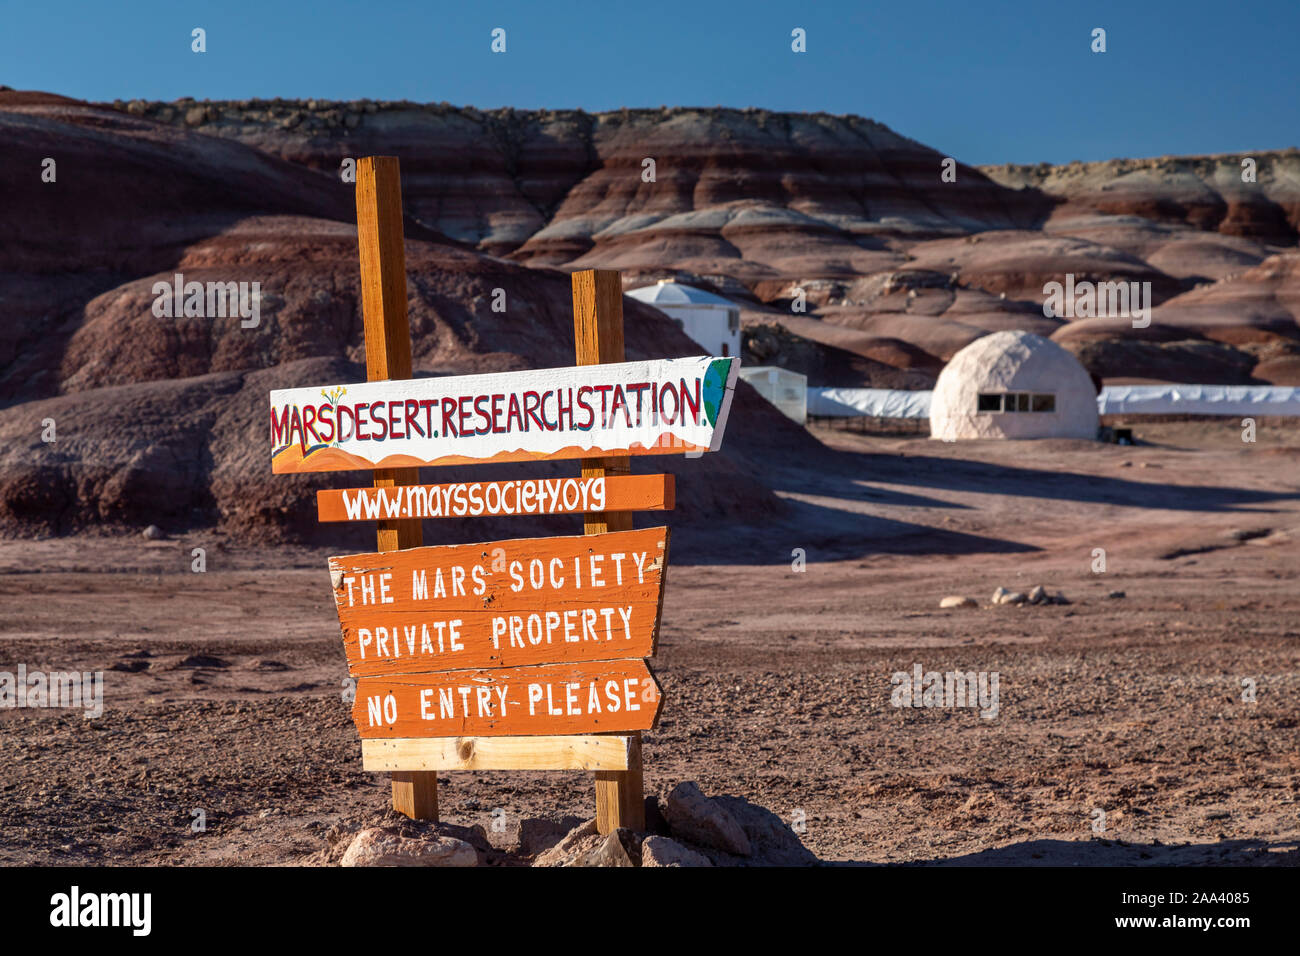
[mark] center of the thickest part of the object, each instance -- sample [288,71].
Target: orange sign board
[582,698]
[473,499]
[501,604]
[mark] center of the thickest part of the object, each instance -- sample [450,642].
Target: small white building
[711,320]
[787,390]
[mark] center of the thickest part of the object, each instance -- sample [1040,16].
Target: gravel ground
[223,694]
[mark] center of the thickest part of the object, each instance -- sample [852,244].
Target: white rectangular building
[787,390]
[711,320]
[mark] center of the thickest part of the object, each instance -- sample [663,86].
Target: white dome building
[1013,385]
[712,321]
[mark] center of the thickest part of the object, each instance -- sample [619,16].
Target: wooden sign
[522,654]
[668,406]
[608,752]
[541,496]
[596,697]
[502,603]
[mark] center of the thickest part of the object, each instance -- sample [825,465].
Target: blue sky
[987,82]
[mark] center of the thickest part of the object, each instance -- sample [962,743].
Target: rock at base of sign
[619,848]
[654,817]
[772,840]
[957,600]
[578,841]
[662,851]
[382,846]
[534,835]
[706,822]
[584,846]
[153,533]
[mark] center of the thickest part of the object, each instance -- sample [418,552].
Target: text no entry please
[596,697]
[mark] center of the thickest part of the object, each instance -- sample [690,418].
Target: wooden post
[388,355]
[598,340]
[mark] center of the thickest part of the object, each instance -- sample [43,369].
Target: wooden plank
[597,317]
[415,794]
[382,252]
[576,752]
[473,499]
[598,340]
[620,794]
[382,255]
[501,603]
[553,699]
[660,407]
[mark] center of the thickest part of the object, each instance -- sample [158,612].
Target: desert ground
[223,689]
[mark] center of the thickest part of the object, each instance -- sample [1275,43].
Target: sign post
[388,356]
[524,654]
[598,340]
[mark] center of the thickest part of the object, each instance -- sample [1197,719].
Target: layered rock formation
[899,268]
[852,258]
[559,187]
[1206,193]
[163,420]
[1242,328]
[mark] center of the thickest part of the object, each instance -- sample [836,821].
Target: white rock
[379,847]
[661,851]
[957,600]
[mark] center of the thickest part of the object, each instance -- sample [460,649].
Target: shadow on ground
[860,529]
[955,474]
[1102,852]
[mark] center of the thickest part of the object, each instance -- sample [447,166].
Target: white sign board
[667,406]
